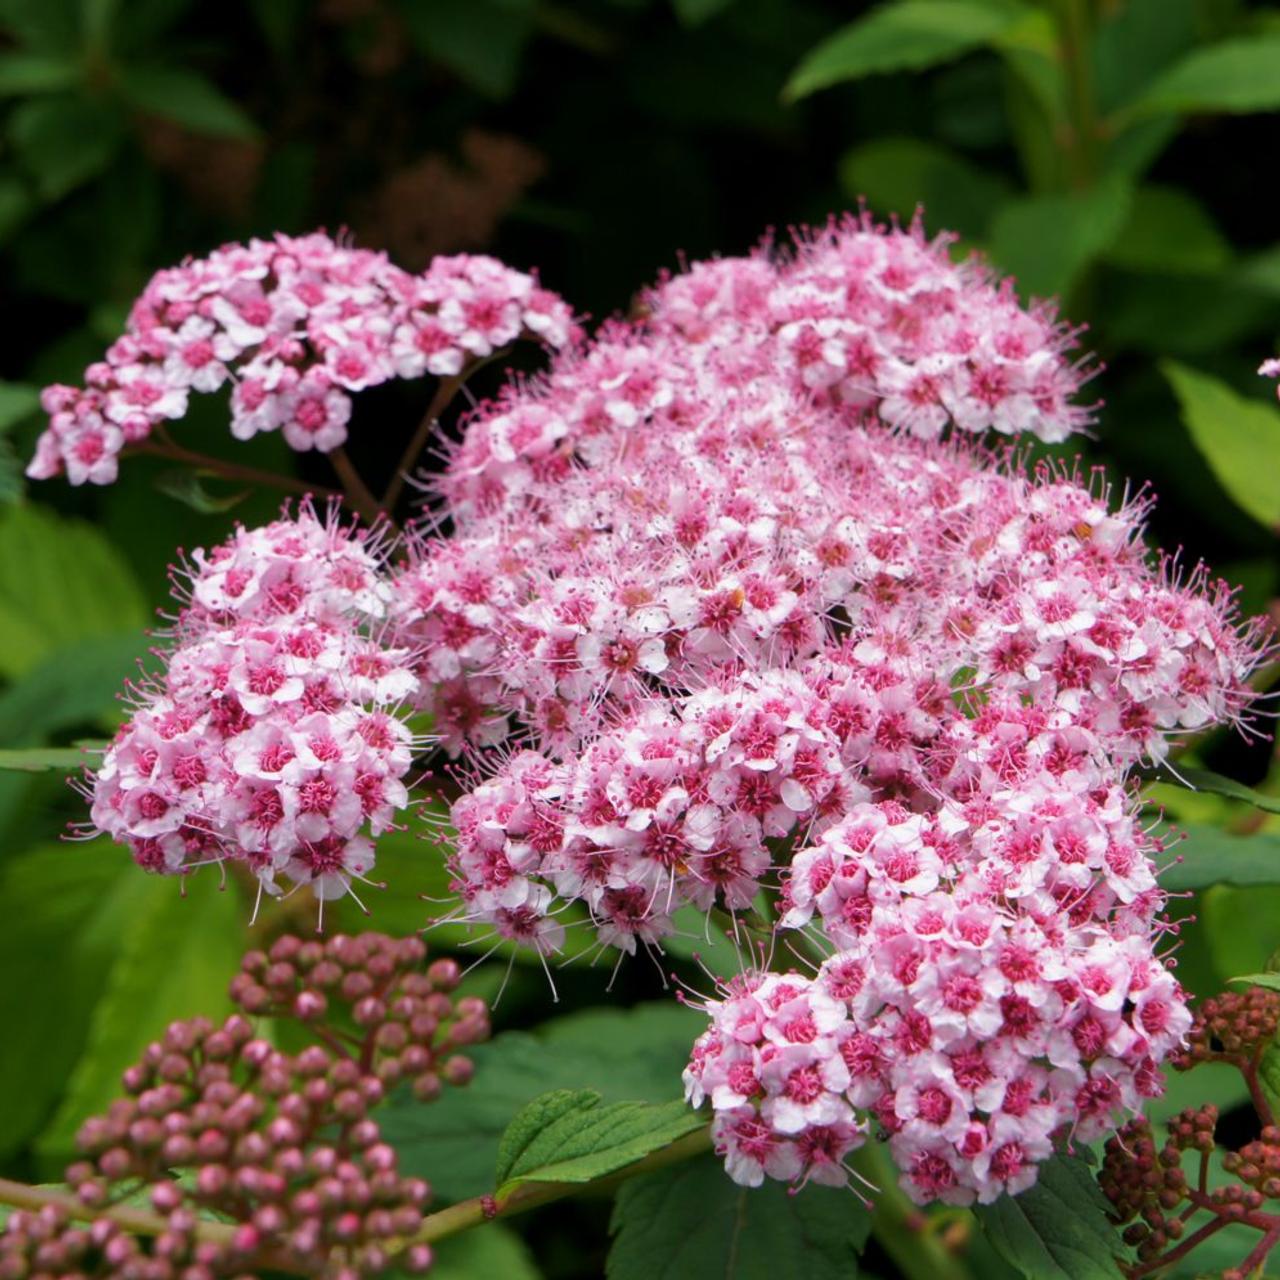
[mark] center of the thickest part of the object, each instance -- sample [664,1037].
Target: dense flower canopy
[737,602]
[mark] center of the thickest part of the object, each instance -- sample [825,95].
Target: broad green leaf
[568,1136]
[25,74]
[1056,1229]
[1209,856]
[690,1222]
[622,1054]
[61,582]
[1240,439]
[898,174]
[493,1253]
[177,955]
[43,759]
[1136,40]
[1271,981]
[63,141]
[1233,76]
[1168,230]
[906,36]
[17,401]
[482,41]
[186,98]
[1045,242]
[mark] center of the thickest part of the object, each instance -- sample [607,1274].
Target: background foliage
[1112,152]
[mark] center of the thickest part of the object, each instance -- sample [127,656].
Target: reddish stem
[1194,1239]
[229,470]
[445,392]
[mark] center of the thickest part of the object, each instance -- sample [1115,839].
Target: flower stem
[358,495]
[230,470]
[445,392]
[1174,1255]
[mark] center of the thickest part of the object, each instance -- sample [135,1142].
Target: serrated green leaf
[1209,856]
[690,1222]
[186,98]
[1240,75]
[1045,242]
[1239,437]
[63,141]
[621,1054]
[1056,1229]
[568,1136]
[897,174]
[906,36]
[1168,230]
[176,958]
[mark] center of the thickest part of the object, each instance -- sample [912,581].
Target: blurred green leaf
[692,1222]
[42,759]
[1234,76]
[186,98]
[906,36]
[1045,242]
[1271,981]
[693,13]
[1238,924]
[568,1136]
[481,1255]
[482,41]
[61,581]
[1134,41]
[17,401]
[64,141]
[1168,230]
[176,956]
[188,488]
[16,204]
[25,74]
[624,1055]
[1056,1229]
[897,174]
[43,26]
[66,908]
[1210,856]
[1240,440]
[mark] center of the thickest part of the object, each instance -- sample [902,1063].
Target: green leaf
[897,174]
[621,1054]
[1234,76]
[690,1222]
[62,142]
[188,99]
[188,488]
[1240,439]
[17,401]
[1269,980]
[1210,856]
[1057,1229]
[43,759]
[176,957]
[482,41]
[693,13]
[25,74]
[567,1136]
[1136,40]
[1045,242]
[61,582]
[906,36]
[1168,230]
[484,1255]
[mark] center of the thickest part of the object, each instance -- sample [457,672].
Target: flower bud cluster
[218,1125]
[272,738]
[1231,1027]
[1148,1184]
[295,324]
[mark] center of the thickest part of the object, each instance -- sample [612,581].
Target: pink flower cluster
[295,324]
[272,738]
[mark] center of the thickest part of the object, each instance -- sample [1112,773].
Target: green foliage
[1057,1229]
[1210,856]
[691,1223]
[1239,438]
[495,1251]
[1235,75]
[568,1136]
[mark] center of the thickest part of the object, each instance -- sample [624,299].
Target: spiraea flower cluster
[271,738]
[295,325]
[255,1159]
[736,601]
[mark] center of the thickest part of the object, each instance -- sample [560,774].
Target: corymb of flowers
[743,607]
